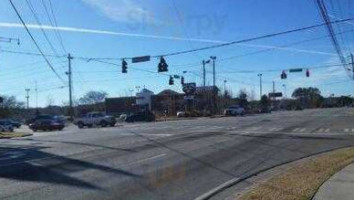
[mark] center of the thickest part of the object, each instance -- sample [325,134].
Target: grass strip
[302,181]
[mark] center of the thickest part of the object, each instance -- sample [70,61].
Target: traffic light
[182,80]
[124,66]
[163,66]
[171,81]
[307,73]
[283,75]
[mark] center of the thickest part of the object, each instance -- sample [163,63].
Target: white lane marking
[352,129]
[327,130]
[272,129]
[320,130]
[302,130]
[296,129]
[279,129]
[214,190]
[346,130]
[147,159]
[254,128]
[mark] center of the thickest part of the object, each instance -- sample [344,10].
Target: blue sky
[127,28]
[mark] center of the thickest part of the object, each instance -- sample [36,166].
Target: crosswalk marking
[346,130]
[352,129]
[327,130]
[296,129]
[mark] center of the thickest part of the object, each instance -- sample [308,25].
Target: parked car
[6,126]
[141,116]
[46,122]
[234,111]
[123,117]
[95,118]
[181,114]
[15,123]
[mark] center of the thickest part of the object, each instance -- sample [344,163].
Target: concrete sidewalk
[339,186]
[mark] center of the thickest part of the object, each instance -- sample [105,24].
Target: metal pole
[70,87]
[214,85]
[27,97]
[204,74]
[36,90]
[213,58]
[352,58]
[260,86]
[284,86]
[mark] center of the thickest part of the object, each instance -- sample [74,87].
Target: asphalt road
[164,160]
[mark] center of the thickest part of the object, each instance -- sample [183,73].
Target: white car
[181,114]
[234,111]
[6,126]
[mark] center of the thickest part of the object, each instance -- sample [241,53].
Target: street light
[260,85]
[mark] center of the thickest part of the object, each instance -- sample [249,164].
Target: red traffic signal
[307,73]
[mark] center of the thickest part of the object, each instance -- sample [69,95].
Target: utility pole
[213,58]
[352,58]
[204,74]
[260,86]
[27,97]
[69,73]
[36,90]
[284,86]
[225,81]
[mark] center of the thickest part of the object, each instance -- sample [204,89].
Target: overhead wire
[34,41]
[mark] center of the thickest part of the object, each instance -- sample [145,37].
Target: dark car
[15,123]
[141,116]
[46,122]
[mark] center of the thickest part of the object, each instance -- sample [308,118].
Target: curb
[236,180]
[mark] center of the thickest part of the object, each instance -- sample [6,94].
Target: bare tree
[93,97]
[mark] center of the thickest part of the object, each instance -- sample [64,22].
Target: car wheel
[103,123]
[80,125]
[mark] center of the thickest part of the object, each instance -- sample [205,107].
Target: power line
[40,25]
[254,38]
[57,33]
[323,12]
[35,42]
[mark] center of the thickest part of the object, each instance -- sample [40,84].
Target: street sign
[275,94]
[140,59]
[189,88]
[296,70]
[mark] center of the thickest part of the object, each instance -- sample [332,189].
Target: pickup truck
[95,118]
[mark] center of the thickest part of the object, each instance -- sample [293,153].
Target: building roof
[168,92]
[146,91]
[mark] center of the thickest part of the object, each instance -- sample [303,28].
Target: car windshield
[177,99]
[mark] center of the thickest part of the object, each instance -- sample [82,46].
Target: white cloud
[122,10]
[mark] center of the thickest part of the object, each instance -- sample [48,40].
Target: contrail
[104,32]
